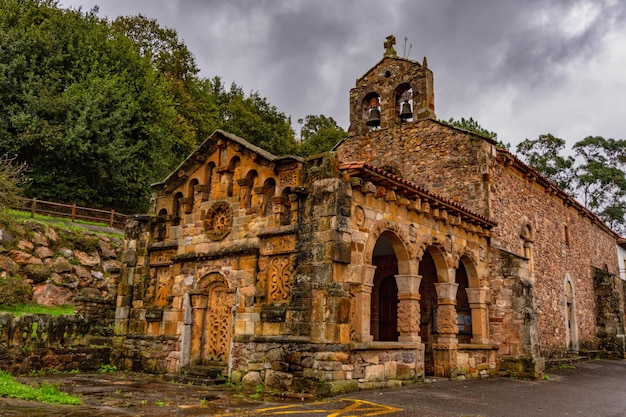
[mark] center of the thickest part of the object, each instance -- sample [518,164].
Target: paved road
[593,389]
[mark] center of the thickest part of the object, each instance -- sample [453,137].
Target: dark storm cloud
[503,62]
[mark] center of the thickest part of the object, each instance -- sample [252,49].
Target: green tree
[318,134]
[253,118]
[473,126]
[601,178]
[91,117]
[12,182]
[544,155]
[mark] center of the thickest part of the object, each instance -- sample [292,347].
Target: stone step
[210,374]
[207,371]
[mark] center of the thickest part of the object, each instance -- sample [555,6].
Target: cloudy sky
[521,68]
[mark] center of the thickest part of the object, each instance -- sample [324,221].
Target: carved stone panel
[218,221]
[164,286]
[280,279]
[217,324]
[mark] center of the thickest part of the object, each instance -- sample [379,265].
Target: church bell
[406,112]
[373,119]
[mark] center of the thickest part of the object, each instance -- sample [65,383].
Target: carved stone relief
[219,220]
[280,279]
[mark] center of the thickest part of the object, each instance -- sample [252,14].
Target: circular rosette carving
[219,220]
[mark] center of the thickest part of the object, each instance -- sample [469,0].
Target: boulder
[106,251]
[65,280]
[37,272]
[52,295]
[44,252]
[9,265]
[25,245]
[85,259]
[61,265]
[51,234]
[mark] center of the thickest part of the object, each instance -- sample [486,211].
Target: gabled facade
[413,249]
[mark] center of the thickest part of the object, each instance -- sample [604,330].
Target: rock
[90,293]
[37,272]
[5,236]
[251,379]
[82,272]
[44,252]
[9,265]
[112,266]
[40,239]
[24,258]
[61,265]
[107,252]
[89,260]
[52,295]
[65,280]
[51,234]
[68,253]
[25,245]
[278,380]
[97,274]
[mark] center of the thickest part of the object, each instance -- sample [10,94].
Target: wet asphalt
[591,389]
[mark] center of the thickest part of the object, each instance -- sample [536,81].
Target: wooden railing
[74,212]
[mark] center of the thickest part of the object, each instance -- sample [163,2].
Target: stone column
[408,307]
[199,304]
[478,299]
[185,343]
[364,304]
[446,340]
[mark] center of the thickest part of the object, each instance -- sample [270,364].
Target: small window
[566,231]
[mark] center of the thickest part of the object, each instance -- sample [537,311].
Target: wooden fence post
[112,218]
[73,212]
[32,209]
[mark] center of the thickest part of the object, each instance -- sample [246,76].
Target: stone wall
[40,342]
[561,243]
[447,161]
[327,369]
[60,264]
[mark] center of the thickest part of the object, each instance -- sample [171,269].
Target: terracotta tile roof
[409,189]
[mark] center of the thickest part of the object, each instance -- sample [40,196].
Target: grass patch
[21,309]
[26,215]
[45,392]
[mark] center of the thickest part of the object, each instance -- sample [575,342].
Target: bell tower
[394,91]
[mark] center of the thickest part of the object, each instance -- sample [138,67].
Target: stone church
[412,249]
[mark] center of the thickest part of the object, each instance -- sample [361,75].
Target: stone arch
[398,238]
[160,225]
[527,234]
[403,96]
[371,102]
[212,304]
[191,194]
[209,177]
[438,317]
[267,192]
[571,326]
[284,207]
[246,185]
[176,208]
[384,299]
[475,328]
[468,298]
[228,177]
